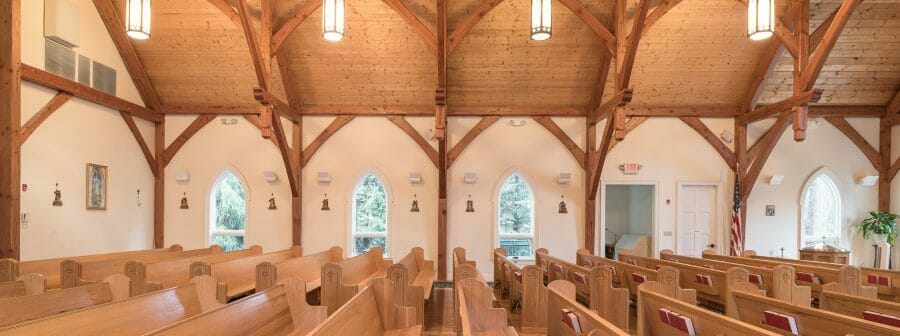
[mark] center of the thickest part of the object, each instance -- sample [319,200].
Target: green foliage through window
[230,211]
[516,206]
[369,215]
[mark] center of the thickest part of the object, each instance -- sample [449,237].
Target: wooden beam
[606,38]
[768,143]
[466,24]
[892,171]
[114,26]
[440,92]
[186,135]
[515,111]
[285,152]
[679,111]
[712,139]
[417,26]
[786,37]
[287,82]
[255,120]
[600,82]
[297,201]
[416,137]
[159,186]
[621,99]
[265,97]
[767,64]
[38,118]
[894,106]
[887,171]
[229,11]
[632,123]
[590,200]
[600,158]
[850,111]
[291,24]
[811,72]
[564,138]
[868,150]
[261,63]
[320,140]
[470,136]
[209,109]
[10,122]
[148,155]
[90,94]
[623,73]
[761,113]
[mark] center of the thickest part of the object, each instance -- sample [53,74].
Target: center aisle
[439,314]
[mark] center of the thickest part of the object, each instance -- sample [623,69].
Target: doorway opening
[629,216]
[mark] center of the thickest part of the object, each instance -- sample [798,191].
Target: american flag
[737,230]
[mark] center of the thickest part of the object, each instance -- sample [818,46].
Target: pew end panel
[786,289]
[372,312]
[475,312]
[850,282]
[9,269]
[562,295]
[609,302]
[114,288]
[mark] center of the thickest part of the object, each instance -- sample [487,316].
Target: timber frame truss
[266,39]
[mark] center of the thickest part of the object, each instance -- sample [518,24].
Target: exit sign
[630,168]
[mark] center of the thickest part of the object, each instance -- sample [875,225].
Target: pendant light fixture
[137,19]
[540,19]
[333,20]
[760,19]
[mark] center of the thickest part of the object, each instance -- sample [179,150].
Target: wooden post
[297,201]
[440,133]
[884,182]
[10,124]
[740,157]
[159,186]
[590,199]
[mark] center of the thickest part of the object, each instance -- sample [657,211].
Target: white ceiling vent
[61,22]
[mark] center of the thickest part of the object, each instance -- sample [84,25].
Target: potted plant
[879,223]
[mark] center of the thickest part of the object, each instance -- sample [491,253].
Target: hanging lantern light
[540,19]
[760,19]
[333,20]
[137,19]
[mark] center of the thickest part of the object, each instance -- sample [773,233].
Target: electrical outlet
[24,220]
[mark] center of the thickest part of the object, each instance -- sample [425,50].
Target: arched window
[228,212]
[516,217]
[820,205]
[369,227]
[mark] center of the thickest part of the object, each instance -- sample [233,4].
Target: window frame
[498,235]
[802,238]
[211,231]
[386,234]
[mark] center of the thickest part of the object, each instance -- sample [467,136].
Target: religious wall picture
[770,210]
[96,187]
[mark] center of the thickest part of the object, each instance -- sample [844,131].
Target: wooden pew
[344,279]
[279,310]
[75,273]
[135,316]
[475,312]
[147,277]
[655,301]
[28,284]
[308,268]
[624,275]
[747,304]
[26,308]
[819,275]
[467,268]
[861,307]
[525,287]
[562,296]
[414,277]
[240,274]
[713,290]
[762,277]
[595,285]
[886,281]
[850,283]
[373,311]
[10,269]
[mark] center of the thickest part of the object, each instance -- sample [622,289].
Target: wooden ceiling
[696,55]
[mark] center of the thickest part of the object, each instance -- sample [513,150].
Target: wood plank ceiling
[696,55]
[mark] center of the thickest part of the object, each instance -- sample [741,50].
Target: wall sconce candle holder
[415,205]
[325,206]
[184,202]
[562,205]
[57,197]
[272,205]
[470,207]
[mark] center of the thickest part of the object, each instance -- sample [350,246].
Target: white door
[696,219]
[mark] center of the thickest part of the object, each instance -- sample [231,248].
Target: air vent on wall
[58,59]
[104,78]
[84,70]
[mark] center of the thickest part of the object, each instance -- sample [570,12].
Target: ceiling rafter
[600,158]
[624,67]
[600,83]
[659,12]
[470,136]
[320,140]
[836,26]
[285,151]
[857,139]
[261,62]
[264,97]
[632,123]
[282,34]
[133,64]
[724,152]
[407,128]
[620,99]
[186,135]
[764,112]
[565,139]
[417,26]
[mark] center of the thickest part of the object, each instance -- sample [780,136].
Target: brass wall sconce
[57,197]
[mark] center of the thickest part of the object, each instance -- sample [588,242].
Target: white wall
[80,133]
